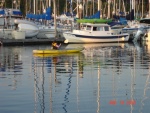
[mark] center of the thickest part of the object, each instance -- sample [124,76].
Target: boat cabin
[95,27]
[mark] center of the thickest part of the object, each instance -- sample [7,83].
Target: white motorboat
[94,33]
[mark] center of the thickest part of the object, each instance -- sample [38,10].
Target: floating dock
[32,41]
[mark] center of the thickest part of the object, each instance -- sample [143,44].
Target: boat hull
[18,34]
[77,38]
[30,30]
[6,33]
[46,33]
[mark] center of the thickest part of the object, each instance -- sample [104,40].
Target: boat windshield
[106,28]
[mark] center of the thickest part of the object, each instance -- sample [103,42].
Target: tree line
[61,6]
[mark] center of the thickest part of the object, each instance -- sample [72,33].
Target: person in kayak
[55,45]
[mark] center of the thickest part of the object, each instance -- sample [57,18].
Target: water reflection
[11,64]
[10,60]
[145,96]
[55,65]
[117,59]
[104,78]
[66,98]
[39,91]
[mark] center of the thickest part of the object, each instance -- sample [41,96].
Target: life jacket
[54,44]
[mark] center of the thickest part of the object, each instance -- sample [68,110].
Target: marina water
[104,78]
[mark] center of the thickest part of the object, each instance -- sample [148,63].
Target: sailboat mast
[86,6]
[119,6]
[93,7]
[37,12]
[66,6]
[54,3]
[114,7]
[108,9]
[149,8]
[130,5]
[30,5]
[100,7]
[49,3]
[134,7]
[78,8]
[142,8]
[34,6]
[71,8]
[83,8]
[124,7]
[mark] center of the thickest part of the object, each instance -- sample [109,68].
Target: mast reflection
[80,65]
[39,85]
[54,66]
[66,98]
[11,65]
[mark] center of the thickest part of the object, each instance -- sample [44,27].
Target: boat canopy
[94,21]
[95,16]
[2,12]
[45,16]
[17,12]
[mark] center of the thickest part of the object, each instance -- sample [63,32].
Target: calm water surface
[104,78]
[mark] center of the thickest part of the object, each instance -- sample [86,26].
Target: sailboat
[12,19]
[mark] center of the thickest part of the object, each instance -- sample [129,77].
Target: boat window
[106,28]
[88,28]
[83,27]
[94,28]
[100,29]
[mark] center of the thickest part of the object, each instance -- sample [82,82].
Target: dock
[31,41]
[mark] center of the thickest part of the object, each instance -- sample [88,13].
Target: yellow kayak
[60,51]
